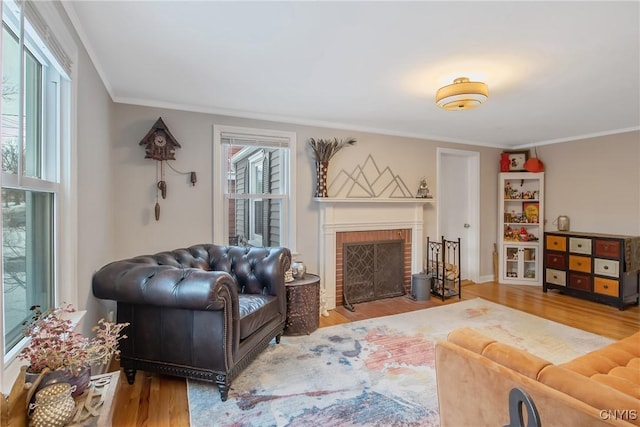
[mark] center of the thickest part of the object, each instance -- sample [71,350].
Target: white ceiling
[556,71]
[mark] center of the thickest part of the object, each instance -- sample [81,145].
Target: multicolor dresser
[598,267]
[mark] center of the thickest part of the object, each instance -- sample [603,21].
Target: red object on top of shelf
[534,164]
[504,162]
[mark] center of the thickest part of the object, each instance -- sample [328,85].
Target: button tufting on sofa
[600,388]
[203,312]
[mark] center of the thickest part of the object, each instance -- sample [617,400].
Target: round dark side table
[303,305]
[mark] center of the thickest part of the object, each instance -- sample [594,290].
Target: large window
[253,203]
[33,118]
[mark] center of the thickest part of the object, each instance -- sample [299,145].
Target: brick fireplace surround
[367,219]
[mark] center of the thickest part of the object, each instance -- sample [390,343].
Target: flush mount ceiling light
[462,94]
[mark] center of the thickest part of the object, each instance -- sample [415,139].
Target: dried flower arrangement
[325,149]
[56,346]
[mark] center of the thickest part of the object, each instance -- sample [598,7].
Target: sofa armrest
[469,339]
[513,358]
[167,286]
[474,390]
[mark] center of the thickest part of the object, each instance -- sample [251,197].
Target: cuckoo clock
[160,145]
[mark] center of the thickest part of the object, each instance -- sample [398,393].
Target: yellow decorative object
[462,95]
[531,212]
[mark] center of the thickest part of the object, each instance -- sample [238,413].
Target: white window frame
[255,162]
[220,210]
[63,160]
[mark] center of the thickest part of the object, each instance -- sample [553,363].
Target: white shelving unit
[521,228]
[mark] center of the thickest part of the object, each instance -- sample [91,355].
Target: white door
[458,205]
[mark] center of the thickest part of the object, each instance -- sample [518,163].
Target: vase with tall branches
[323,152]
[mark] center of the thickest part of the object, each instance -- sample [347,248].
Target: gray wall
[596,182]
[186,214]
[94,181]
[590,180]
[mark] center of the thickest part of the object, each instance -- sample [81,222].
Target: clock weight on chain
[161,145]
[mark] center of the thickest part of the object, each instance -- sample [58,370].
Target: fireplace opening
[372,236]
[372,271]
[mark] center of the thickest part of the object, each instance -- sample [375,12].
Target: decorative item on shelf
[529,255]
[96,403]
[323,152]
[517,159]
[508,190]
[524,236]
[463,94]
[321,182]
[54,406]
[534,164]
[562,222]
[54,346]
[288,276]
[423,190]
[531,211]
[298,269]
[13,407]
[161,145]
[504,162]
[78,377]
[370,181]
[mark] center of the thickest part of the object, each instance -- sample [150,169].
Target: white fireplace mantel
[362,214]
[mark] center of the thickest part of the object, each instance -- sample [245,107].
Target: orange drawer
[608,248]
[605,286]
[580,263]
[557,243]
[556,260]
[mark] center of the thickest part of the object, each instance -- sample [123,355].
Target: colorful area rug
[372,372]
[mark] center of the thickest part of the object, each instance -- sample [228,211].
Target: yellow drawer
[606,267]
[580,263]
[579,245]
[557,243]
[557,277]
[605,286]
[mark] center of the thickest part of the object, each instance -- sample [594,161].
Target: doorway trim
[473,244]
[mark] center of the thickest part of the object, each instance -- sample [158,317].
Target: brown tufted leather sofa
[476,374]
[202,312]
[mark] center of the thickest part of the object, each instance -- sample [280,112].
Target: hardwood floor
[155,400]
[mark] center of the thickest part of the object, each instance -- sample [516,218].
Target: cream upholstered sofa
[476,374]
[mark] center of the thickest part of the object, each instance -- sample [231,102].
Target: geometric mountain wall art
[369,181]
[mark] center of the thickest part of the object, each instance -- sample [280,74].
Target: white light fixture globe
[462,94]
